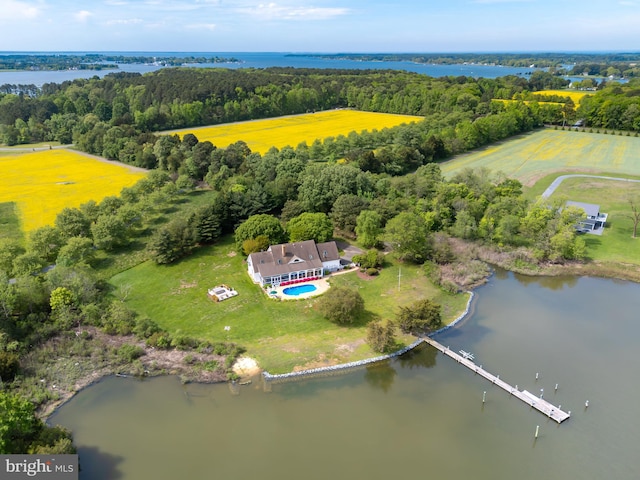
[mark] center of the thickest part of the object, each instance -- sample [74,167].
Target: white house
[595,221]
[289,262]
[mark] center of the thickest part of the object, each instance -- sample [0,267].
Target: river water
[264,60]
[418,416]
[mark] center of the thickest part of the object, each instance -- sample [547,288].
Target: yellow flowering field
[529,157]
[45,182]
[261,135]
[574,95]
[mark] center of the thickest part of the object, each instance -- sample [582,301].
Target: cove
[419,415]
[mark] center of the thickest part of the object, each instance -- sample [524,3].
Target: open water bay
[419,416]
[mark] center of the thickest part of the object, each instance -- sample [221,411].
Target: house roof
[328,251]
[591,209]
[293,257]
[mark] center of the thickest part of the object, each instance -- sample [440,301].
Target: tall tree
[369,228]
[260,225]
[71,222]
[344,305]
[409,236]
[634,216]
[310,226]
[345,211]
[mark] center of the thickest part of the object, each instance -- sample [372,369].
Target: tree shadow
[98,465]
[380,375]
[419,357]
[552,283]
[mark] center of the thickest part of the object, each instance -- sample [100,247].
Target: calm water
[420,416]
[263,60]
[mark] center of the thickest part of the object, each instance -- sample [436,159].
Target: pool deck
[321,286]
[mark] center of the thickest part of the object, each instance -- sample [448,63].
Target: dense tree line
[615,106]
[540,60]
[96,61]
[125,107]
[614,70]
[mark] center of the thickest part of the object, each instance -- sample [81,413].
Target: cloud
[124,21]
[82,15]
[489,2]
[13,10]
[202,26]
[273,11]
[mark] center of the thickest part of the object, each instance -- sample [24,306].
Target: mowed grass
[616,244]
[281,335]
[41,184]
[10,223]
[530,157]
[261,135]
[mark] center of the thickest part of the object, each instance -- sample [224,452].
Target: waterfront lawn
[616,244]
[281,335]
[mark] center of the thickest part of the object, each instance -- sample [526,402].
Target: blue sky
[320,25]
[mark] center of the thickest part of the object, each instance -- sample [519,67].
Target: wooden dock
[547,409]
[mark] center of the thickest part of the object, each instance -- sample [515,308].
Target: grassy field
[43,183]
[532,156]
[261,135]
[616,243]
[280,335]
[10,223]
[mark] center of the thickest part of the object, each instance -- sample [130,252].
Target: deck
[547,409]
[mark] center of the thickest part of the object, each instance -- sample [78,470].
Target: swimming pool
[299,289]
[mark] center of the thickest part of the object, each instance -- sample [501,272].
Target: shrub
[189,359]
[118,319]
[161,340]
[129,353]
[145,327]
[381,337]
[343,305]
[8,366]
[372,272]
[210,366]
[183,342]
[372,259]
[419,317]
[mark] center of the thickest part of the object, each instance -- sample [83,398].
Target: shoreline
[360,363]
[611,271]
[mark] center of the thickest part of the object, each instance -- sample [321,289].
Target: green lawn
[280,335]
[616,244]
[532,156]
[10,223]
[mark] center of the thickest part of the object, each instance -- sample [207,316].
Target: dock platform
[547,409]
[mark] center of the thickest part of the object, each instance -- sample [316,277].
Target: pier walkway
[547,409]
